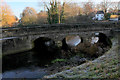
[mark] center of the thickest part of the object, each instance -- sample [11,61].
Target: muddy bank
[105,66]
[21,68]
[16,69]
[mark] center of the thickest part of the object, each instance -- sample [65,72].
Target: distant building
[99,15]
[114,18]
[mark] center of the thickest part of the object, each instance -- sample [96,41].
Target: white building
[99,15]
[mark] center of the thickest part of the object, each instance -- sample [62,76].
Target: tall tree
[7,16]
[98,7]
[88,8]
[55,12]
[29,16]
[115,7]
[105,5]
[71,10]
[62,14]
[42,17]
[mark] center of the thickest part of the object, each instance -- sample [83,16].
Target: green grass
[58,60]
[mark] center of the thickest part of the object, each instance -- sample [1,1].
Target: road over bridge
[15,40]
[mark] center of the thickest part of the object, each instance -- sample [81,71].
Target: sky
[18,6]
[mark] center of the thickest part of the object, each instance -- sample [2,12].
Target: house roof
[100,12]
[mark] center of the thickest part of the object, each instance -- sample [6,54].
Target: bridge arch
[45,48]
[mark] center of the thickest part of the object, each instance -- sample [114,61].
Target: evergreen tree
[56,12]
[53,13]
[62,16]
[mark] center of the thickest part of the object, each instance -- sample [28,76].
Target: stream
[25,72]
[27,65]
[23,65]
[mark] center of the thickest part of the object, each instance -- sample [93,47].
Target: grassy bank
[106,66]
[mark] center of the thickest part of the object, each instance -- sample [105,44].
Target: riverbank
[106,66]
[77,66]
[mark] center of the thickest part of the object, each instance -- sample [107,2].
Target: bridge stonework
[21,39]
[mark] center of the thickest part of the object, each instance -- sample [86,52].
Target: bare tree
[105,5]
[72,9]
[98,7]
[88,8]
[42,17]
[115,7]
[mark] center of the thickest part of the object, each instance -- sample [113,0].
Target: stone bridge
[17,40]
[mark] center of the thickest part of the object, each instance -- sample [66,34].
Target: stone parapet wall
[24,37]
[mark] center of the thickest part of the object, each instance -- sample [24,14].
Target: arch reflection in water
[94,40]
[101,38]
[71,41]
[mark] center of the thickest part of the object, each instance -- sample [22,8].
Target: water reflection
[24,65]
[29,72]
[24,59]
[16,60]
[102,39]
[18,65]
[94,40]
[73,40]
